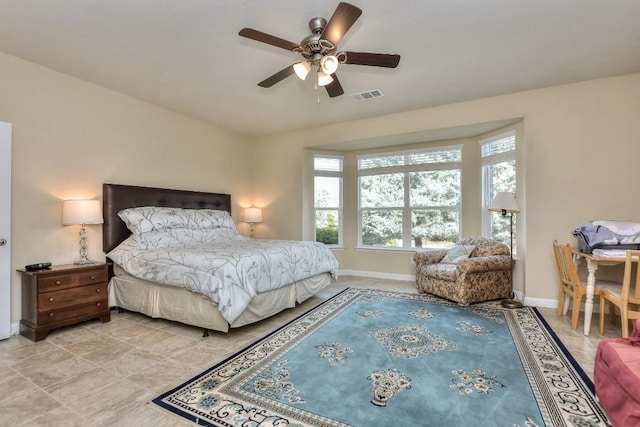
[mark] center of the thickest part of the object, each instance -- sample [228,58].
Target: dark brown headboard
[118,197]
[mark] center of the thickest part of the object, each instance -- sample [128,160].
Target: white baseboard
[541,302]
[14,328]
[535,302]
[378,275]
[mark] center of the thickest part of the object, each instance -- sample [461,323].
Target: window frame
[340,207]
[407,209]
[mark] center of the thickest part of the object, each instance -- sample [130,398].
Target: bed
[133,289]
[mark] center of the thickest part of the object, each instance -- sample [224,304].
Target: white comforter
[229,272]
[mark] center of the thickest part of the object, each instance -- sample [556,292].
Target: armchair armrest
[432,256]
[485,263]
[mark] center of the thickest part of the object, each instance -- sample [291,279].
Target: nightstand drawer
[60,314]
[52,283]
[67,297]
[55,282]
[90,277]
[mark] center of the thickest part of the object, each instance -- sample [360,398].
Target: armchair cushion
[443,271]
[457,253]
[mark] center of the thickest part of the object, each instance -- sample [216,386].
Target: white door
[5,230]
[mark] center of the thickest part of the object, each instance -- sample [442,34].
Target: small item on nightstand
[38,266]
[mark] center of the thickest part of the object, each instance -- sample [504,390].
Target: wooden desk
[593,262]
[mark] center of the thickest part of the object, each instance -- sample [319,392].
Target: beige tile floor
[105,374]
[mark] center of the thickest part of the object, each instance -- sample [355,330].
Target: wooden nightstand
[62,295]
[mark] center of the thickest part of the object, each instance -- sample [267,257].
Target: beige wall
[579,149]
[70,136]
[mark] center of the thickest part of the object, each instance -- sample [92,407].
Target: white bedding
[230,271]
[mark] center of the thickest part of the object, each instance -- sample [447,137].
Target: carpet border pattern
[564,392]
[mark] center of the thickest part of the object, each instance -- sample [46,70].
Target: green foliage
[382,227]
[327,231]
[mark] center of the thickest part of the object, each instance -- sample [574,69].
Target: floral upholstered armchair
[476,269]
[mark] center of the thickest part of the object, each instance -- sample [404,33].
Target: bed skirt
[184,306]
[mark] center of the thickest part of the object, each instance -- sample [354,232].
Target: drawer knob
[98,290]
[58,282]
[52,314]
[99,304]
[92,277]
[50,299]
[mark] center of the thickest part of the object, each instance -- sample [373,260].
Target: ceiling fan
[320,50]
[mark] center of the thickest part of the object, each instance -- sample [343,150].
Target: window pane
[424,157]
[435,188]
[498,146]
[436,156]
[380,162]
[327,192]
[327,226]
[382,191]
[327,164]
[327,198]
[503,177]
[382,227]
[434,227]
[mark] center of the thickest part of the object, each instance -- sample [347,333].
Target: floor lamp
[505,203]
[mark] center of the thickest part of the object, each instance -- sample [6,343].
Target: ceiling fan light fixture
[329,64]
[324,78]
[302,69]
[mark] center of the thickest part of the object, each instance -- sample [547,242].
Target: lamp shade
[504,202]
[329,64]
[252,215]
[302,69]
[81,212]
[324,78]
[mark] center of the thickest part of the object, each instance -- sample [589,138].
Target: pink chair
[617,378]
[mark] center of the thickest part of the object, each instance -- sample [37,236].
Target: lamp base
[83,262]
[511,303]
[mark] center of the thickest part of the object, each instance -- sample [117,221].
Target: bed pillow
[182,237]
[154,218]
[457,253]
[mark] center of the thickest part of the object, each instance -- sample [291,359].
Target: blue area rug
[376,358]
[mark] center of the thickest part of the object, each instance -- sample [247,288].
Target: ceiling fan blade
[343,18]
[373,59]
[252,34]
[334,88]
[280,75]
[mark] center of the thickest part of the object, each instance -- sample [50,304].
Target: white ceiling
[186,55]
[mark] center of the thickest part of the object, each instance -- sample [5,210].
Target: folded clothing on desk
[608,235]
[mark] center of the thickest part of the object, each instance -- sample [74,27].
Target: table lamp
[252,215]
[82,212]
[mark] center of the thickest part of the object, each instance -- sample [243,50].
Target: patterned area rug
[376,358]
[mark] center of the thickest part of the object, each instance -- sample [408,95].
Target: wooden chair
[626,299]
[571,285]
